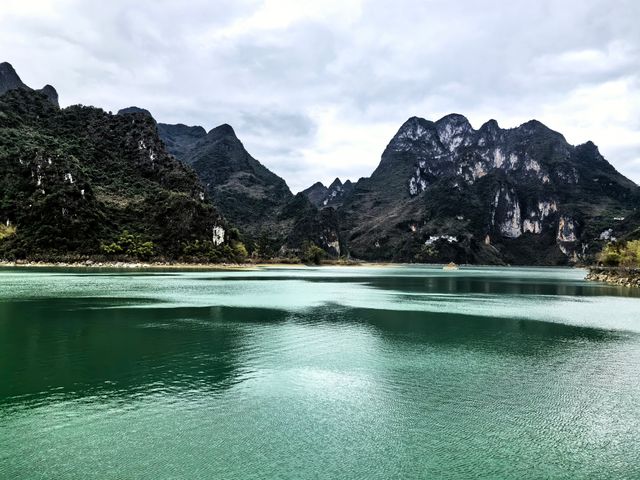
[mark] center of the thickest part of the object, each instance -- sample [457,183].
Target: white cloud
[608,112]
[273,15]
[11,8]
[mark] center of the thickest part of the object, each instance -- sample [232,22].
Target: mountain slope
[74,179]
[444,191]
[249,195]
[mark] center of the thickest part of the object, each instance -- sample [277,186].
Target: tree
[240,251]
[625,254]
[132,245]
[610,255]
[311,253]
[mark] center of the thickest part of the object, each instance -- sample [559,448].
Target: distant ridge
[9,80]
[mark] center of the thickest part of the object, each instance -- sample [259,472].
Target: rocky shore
[628,277]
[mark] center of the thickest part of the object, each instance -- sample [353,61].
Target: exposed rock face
[331,196]
[536,216]
[567,236]
[451,146]
[9,80]
[567,230]
[506,209]
[521,195]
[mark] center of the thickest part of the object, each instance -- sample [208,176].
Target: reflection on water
[318,373]
[74,349]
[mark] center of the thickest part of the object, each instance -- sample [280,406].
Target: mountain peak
[9,79]
[316,193]
[224,130]
[336,183]
[533,124]
[414,121]
[537,127]
[454,130]
[455,119]
[6,67]
[134,109]
[413,129]
[50,93]
[489,132]
[490,125]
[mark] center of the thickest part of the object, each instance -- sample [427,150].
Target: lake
[330,372]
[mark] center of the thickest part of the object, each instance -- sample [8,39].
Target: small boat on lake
[450,266]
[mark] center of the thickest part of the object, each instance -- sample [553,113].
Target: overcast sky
[316,89]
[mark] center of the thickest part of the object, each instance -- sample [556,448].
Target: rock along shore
[628,277]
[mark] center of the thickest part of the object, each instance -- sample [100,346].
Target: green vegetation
[427,254]
[131,245]
[623,254]
[232,251]
[80,182]
[312,254]
[240,251]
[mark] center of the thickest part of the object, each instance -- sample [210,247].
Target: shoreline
[145,265]
[168,265]
[621,276]
[90,264]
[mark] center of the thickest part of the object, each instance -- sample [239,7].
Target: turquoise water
[404,372]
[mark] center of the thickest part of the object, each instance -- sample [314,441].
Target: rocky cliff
[445,191]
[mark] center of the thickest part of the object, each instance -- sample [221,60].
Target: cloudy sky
[316,89]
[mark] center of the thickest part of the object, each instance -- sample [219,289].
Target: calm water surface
[367,373]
